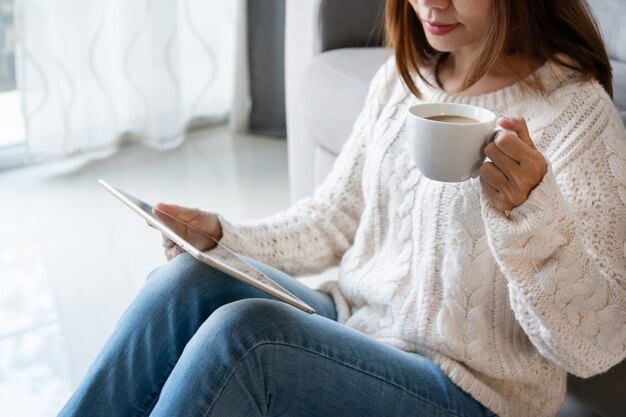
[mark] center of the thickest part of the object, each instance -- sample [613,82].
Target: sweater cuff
[233,238]
[529,218]
[535,229]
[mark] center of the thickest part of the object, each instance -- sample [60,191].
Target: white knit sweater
[505,308]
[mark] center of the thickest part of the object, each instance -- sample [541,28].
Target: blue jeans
[196,342]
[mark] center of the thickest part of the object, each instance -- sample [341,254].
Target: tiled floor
[72,257]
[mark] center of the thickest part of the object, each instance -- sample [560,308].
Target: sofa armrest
[312,27]
[301,45]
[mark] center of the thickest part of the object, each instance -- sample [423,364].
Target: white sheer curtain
[93,73]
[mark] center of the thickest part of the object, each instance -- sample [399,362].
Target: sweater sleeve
[313,234]
[564,250]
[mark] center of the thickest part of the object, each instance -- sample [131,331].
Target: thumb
[170,209]
[172,212]
[519,126]
[167,213]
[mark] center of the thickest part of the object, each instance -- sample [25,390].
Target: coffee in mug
[446,140]
[452,119]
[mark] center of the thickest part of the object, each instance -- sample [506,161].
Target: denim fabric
[196,342]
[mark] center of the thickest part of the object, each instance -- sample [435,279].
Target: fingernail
[508,119]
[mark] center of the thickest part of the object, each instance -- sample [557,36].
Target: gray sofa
[332,51]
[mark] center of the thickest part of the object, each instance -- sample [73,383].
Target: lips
[439,29]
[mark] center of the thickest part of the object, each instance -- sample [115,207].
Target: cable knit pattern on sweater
[504,307]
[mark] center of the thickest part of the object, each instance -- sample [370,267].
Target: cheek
[475,15]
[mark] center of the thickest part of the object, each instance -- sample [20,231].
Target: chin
[447,43]
[441,46]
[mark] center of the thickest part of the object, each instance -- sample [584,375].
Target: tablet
[220,258]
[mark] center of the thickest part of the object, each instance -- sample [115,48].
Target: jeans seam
[437,406]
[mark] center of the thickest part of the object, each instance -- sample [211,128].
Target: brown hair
[536,29]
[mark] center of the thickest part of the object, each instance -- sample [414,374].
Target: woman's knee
[182,280]
[182,265]
[250,322]
[183,273]
[226,356]
[189,283]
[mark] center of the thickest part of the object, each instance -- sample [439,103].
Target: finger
[496,198]
[184,214]
[515,160]
[171,209]
[173,252]
[178,218]
[166,216]
[519,126]
[510,194]
[167,242]
[167,213]
[490,173]
[501,160]
[492,193]
[512,146]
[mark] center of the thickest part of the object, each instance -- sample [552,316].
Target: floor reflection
[33,367]
[72,257]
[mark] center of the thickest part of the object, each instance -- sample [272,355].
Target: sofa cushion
[611,15]
[604,393]
[619,85]
[340,27]
[333,89]
[574,408]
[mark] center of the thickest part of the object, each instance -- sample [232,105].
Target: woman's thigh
[264,358]
[203,288]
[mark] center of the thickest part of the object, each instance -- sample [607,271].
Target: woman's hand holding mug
[449,142]
[515,166]
[200,228]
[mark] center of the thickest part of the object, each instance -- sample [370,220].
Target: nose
[433,4]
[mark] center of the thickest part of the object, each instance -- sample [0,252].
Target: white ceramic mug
[449,151]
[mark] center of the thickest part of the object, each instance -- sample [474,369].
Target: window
[11,118]
[7,46]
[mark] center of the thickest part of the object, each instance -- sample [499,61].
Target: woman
[445,306]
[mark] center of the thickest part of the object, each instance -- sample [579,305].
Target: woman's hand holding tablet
[200,228]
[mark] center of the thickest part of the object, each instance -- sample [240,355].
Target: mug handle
[498,129]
